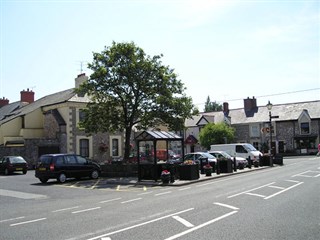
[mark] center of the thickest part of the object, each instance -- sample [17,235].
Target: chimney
[27,96]
[225,107]
[3,102]
[80,79]
[250,104]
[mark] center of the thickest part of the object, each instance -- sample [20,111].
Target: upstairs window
[305,128]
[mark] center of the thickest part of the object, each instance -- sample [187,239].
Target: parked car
[198,156]
[10,164]
[222,154]
[63,166]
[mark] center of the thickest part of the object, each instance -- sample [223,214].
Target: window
[304,128]
[255,131]
[240,149]
[82,115]
[115,147]
[84,147]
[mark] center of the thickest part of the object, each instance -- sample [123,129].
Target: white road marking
[303,174]
[95,184]
[255,194]
[11,219]
[31,221]
[200,226]
[182,189]
[110,200]
[226,205]
[140,224]
[65,209]
[86,210]
[277,187]
[132,200]
[250,190]
[183,221]
[277,193]
[19,194]
[158,194]
[145,193]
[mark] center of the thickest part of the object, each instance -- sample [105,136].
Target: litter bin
[278,159]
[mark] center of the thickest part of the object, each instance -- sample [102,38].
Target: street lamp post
[269,106]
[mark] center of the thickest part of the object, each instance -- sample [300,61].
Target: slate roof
[59,97]
[286,112]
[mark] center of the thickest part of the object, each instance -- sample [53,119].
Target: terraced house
[295,131]
[50,125]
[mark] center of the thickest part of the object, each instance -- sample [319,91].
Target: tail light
[51,167]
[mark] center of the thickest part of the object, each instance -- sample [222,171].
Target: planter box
[189,172]
[225,166]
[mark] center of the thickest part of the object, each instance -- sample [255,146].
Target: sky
[225,50]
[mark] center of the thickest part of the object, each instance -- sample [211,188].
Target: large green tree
[215,134]
[212,106]
[129,88]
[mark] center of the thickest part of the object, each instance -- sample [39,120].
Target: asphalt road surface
[282,202]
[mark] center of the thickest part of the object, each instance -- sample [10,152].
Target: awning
[305,137]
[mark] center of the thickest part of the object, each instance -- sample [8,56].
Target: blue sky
[228,50]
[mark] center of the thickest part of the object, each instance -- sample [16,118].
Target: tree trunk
[127,144]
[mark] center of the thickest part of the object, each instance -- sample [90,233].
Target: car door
[83,166]
[71,166]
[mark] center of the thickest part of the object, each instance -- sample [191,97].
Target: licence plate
[42,169]
[18,169]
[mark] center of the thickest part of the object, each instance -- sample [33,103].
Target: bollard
[234,164]
[249,162]
[218,167]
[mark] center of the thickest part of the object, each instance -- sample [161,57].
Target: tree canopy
[129,88]
[212,106]
[218,133]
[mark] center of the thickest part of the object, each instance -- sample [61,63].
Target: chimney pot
[3,102]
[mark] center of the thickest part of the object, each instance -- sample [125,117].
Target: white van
[244,150]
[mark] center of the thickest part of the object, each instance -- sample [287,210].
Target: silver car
[222,154]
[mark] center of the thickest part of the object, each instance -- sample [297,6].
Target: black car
[10,164]
[63,166]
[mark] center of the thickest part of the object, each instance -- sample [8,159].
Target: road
[273,203]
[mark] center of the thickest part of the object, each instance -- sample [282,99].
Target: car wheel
[24,171]
[62,178]
[94,174]
[6,172]
[43,180]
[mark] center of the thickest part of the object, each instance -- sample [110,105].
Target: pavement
[203,177]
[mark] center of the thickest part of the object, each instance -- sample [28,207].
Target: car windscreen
[249,147]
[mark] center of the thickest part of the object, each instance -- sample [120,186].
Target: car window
[45,159]
[59,160]
[71,159]
[81,160]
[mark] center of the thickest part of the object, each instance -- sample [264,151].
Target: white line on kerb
[86,210]
[200,226]
[226,205]
[31,221]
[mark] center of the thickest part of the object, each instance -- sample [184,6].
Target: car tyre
[62,178]
[94,174]
[24,171]
[6,171]
[43,180]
